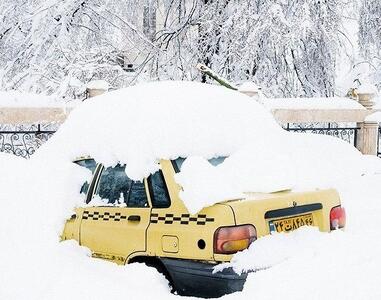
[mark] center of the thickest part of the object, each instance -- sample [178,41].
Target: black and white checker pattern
[106,216]
[183,219]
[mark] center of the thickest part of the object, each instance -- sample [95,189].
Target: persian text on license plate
[291,223]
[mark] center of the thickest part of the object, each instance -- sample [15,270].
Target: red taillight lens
[228,240]
[337,217]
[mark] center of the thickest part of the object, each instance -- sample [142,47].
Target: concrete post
[367,138]
[96,87]
[365,99]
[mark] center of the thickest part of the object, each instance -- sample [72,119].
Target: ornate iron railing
[348,134]
[23,142]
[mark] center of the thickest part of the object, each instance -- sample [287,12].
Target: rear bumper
[192,278]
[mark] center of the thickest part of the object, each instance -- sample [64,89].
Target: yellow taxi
[126,221]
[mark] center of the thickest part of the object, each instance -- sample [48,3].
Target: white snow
[248,86]
[367,88]
[141,124]
[311,103]
[19,99]
[377,101]
[290,161]
[98,85]
[34,264]
[338,265]
[374,117]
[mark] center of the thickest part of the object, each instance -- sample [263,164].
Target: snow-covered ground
[141,124]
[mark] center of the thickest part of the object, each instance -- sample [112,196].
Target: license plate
[292,223]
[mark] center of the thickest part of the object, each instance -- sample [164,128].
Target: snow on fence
[24,129]
[345,132]
[339,117]
[354,121]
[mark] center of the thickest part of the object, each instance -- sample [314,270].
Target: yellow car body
[125,234]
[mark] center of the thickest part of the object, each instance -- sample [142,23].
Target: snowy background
[289,48]
[50,51]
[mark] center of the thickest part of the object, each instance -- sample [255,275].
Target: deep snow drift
[141,124]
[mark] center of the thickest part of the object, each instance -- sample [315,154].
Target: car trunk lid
[285,211]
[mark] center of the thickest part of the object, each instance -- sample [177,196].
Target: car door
[115,222]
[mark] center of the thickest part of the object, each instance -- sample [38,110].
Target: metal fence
[23,141]
[348,134]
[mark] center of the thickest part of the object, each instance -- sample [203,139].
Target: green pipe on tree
[223,81]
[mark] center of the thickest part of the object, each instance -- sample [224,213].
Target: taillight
[337,217]
[228,240]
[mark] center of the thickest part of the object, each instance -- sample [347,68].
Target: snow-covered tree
[289,47]
[370,37]
[293,45]
[56,46]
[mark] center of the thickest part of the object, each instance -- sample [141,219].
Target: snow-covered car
[138,125]
[128,221]
[183,175]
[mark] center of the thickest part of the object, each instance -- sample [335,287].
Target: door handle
[134,218]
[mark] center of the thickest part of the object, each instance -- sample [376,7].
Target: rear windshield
[158,189]
[177,163]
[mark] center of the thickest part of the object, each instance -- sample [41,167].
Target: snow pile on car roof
[142,124]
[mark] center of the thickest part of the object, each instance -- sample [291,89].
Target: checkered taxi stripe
[106,216]
[183,219]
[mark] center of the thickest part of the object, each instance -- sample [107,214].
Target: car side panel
[111,234]
[186,236]
[71,230]
[173,232]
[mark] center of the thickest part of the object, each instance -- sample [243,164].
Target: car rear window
[177,163]
[158,190]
